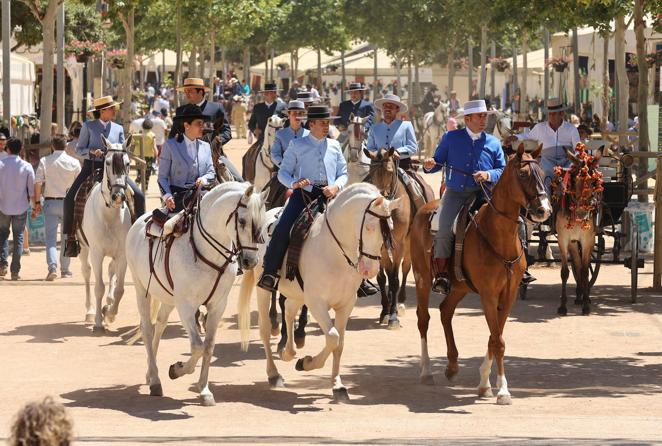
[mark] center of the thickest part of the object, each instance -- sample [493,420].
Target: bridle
[376,164]
[120,183]
[385,230]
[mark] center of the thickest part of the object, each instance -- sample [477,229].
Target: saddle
[298,235]
[249,159]
[419,191]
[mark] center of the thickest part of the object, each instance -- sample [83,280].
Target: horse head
[440,113]
[529,190]
[249,218]
[274,123]
[116,171]
[383,170]
[357,136]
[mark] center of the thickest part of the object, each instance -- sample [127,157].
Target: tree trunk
[410,86]
[128,22]
[642,93]
[296,63]
[319,70]
[398,74]
[266,64]
[493,75]
[343,80]
[203,64]
[417,82]
[514,86]
[524,102]
[483,59]
[606,102]
[48,29]
[212,63]
[470,73]
[178,49]
[271,68]
[224,68]
[451,68]
[193,62]
[575,71]
[621,77]
[546,80]
[375,88]
[247,64]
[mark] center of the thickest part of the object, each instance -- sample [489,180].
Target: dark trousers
[86,170]
[273,259]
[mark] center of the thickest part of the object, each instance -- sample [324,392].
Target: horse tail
[244,306]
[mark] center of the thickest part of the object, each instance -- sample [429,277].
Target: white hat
[476,106]
[393,99]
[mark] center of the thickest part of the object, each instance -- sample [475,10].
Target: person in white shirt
[159,128]
[55,174]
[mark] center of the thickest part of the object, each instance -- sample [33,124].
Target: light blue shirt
[283,139]
[90,136]
[321,162]
[399,135]
[178,167]
[16,185]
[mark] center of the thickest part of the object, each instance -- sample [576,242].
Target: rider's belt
[53,198]
[320,183]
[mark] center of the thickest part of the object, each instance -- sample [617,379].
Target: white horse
[263,163]
[346,240]
[106,221]
[203,270]
[358,164]
[434,126]
[503,127]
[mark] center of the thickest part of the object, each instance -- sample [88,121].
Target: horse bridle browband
[107,178]
[385,230]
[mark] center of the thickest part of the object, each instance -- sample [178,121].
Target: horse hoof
[155,390]
[586,310]
[89,317]
[394,324]
[451,373]
[287,356]
[300,341]
[340,394]
[300,362]
[99,330]
[428,380]
[383,320]
[172,371]
[562,311]
[504,400]
[485,392]
[276,382]
[401,309]
[207,400]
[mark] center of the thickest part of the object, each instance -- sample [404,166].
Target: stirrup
[269,282]
[71,248]
[441,284]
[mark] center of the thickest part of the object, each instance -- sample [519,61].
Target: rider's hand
[96,152]
[301,183]
[396,155]
[330,191]
[429,163]
[199,181]
[481,176]
[36,209]
[170,203]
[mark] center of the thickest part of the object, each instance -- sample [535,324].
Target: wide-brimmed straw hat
[318,112]
[393,99]
[190,111]
[555,105]
[103,103]
[476,106]
[193,82]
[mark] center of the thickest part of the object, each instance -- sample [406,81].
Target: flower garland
[585,198]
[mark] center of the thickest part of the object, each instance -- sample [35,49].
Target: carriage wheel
[634,263]
[596,260]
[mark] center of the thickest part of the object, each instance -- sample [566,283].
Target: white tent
[22,79]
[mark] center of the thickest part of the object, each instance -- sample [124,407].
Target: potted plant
[500,64]
[85,49]
[116,58]
[559,63]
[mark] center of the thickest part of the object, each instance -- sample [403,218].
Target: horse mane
[118,163]
[255,205]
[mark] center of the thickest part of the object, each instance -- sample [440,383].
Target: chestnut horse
[493,260]
[580,193]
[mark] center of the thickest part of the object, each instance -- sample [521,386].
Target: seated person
[393,132]
[185,160]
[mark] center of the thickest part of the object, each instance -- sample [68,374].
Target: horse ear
[106,143]
[378,202]
[249,191]
[395,205]
[128,144]
[390,152]
[520,150]
[571,155]
[369,154]
[351,117]
[536,153]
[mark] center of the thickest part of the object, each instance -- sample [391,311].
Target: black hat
[270,86]
[190,111]
[318,112]
[356,86]
[305,96]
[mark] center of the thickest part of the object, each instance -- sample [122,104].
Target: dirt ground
[574,379]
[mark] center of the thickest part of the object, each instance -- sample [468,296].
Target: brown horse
[579,195]
[384,175]
[493,260]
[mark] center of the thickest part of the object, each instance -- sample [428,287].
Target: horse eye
[242,222]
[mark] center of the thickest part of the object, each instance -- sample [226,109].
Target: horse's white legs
[99,288]
[485,387]
[118,290]
[426,372]
[342,316]
[161,323]
[147,329]
[86,269]
[187,316]
[214,315]
[503,397]
[263,302]
[112,272]
[291,310]
[320,311]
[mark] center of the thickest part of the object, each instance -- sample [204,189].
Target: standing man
[471,156]
[160,129]
[313,167]
[454,104]
[16,190]
[357,106]
[90,147]
[58,170]
[264,110]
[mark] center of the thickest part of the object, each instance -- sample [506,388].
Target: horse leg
[90,308]
[584,271]
[446,311]
[187,317]
[273,315]
[565,273]
[423,285]
[393,288]
[120,273]
[498,344]
[406,267]
[99,288]
[381,281]
[213,319]
[161,324]
[283,327]
[485,387]
[144,303]
[263,300]
[320,311]
[290,313]
[342,316]
[111,285]
[300,332]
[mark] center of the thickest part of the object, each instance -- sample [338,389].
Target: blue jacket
[90,136]
[399,135]
[283,139]
[305,158]
[361,109]
[177,169]
[457,150]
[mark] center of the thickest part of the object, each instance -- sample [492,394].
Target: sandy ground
[574,379]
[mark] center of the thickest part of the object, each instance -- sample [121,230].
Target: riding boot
[366,289]
[441,283]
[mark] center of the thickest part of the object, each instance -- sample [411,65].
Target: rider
[91,148]
[430,101]
[185,159]
[357,106]
[295,130]
[471,156]
[262,111]
[393,132]
[313,166]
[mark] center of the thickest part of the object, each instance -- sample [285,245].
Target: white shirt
[159,130]
[3,154]
[472,135]
[566,135]
[191,147]
[136,125]
[58,170]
